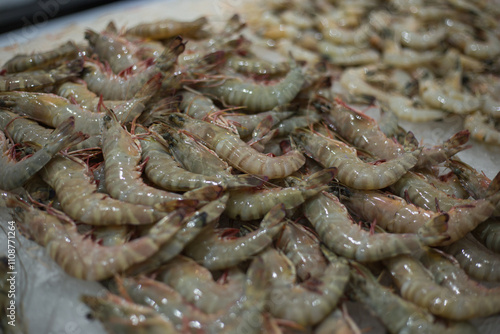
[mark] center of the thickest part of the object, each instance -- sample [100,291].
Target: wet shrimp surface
[212,190]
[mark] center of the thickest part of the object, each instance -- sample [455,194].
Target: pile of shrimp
[211,190]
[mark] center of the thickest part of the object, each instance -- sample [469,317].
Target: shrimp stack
[251,195]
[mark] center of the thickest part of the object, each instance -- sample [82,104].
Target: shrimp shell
[166,28]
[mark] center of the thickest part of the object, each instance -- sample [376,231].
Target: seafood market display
[224,177]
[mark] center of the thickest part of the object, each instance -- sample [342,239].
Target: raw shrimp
[449,182]
[122,155]
[255,203]
[340,233]
[418,286]
[74,187]
[215,252]
[197,105]
[395,215]
[347,55]
[24,62]
[405,58]
[245,124]
[478,261]
[15,174]
[489,49]
[302,247]
[309,302]
[193,226]
[258,97]
[488,233]
[232,149]
[119,315]
[287,126]
[196,284]
[482,128]
[166,28]
[252,66]
[476,183]
[347,122]
[337,323]
[81,257]
[39,79]
[412,110]
[352,171]
[397,314]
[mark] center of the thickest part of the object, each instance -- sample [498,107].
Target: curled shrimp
[352,171]
[418,286]
[215,252]
[482,128]
[81,257]
[395,215]
[339,232]
[488,233]
[166,28]
[258,97]
[255,203]
[232,149]
[15,174]
[396,313]
[196,284]
[39,79]
[24,62]
[122,154]
[348,55]
[197,105]
[253,66]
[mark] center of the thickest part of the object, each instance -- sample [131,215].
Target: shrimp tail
[457,142]
[150,87]
[64,135]
[72,68]
[91,36]
[493,190]
[410,141]
[170,206]
[205,194]
[433,233]
[168,58]
[321,178]
[245,181]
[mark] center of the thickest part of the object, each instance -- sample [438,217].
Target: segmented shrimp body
[122,154]
[75,189]
[197,105]
[215,252]
[340,233]
[232,149]
[39,79]
[15,174]
[258,97]
[482,128]
[24,62]
[418,286]
[166,28]
[395,215]
[81,257]
[488,233]
[352,171]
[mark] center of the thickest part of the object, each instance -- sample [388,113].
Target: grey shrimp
[215,252]
[122,154]
[418,286]
[236,152]
[348,55]
[197,105]
[252,66]
[39,79]
[488,233]
[77,254]
[482,128]
[166,28]
[396,313]
[478,261]
[258,97]
[338,231]
[245,124]
[75,189]
[15,174]
[395,215]
[252,203]
[24,62]
[196,284]
[352,171]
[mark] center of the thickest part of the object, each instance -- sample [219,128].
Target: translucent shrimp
[352,171]
[488,233]
[215,252]
[406,58]
[338,231]
[196,284]
[122,155]
[485,49]
[39,79]
[476,183]
[166,28]
[259,97]
[478,261]
[119,315]
[24,62]
[393,214]
[309,302]
[255,203]
[232,149]
[245,124]
[347,122]
[337,323]
[81,257]
[15,174]
[302,247]
[397,314]
[347,55]
[74,187]
[412,110]
[253,66]
[197,105]
[418,286]
[482,128]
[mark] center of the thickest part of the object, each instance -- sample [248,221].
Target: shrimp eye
[107,118]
